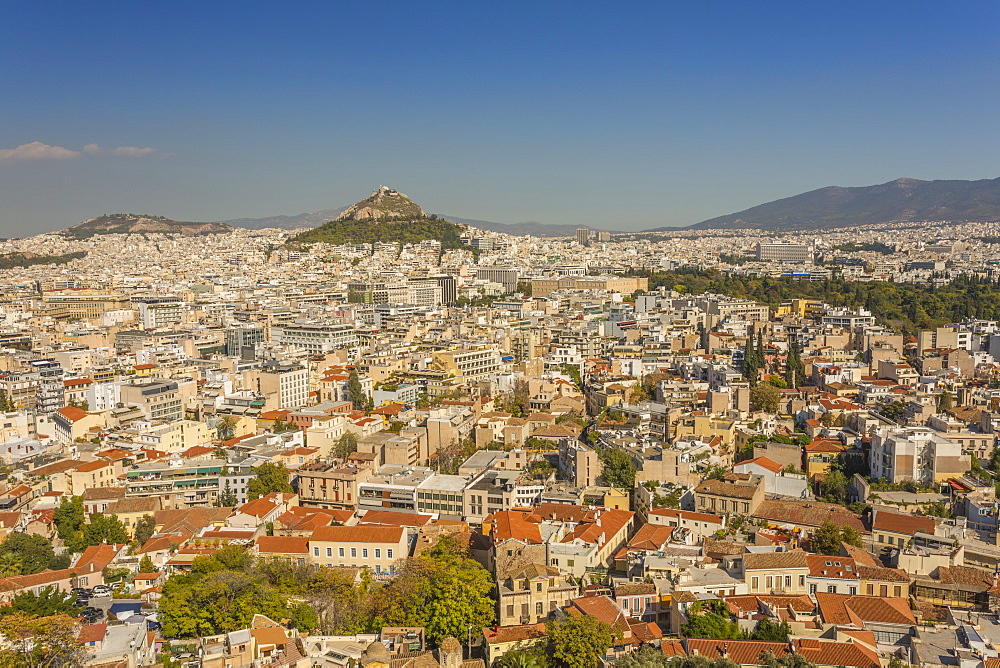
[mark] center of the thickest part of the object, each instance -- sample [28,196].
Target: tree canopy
[619,469]
[268,477]
[580,641]
[827,538]
[29,552]
[444,590]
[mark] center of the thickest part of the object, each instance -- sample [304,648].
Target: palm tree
[10,565]
[226,427]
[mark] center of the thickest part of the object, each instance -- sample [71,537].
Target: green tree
[945,401]
[10,565]
[144,528]
[104,529]
[146,565]
[835,485]
[6,405]
[715,472]
[49,601]
[711,625]
[828,537]
[227,498]
[226,427]
[34,553]
[303,617]
[215,602]
[794,368]
[647,657]
[580,641]
[68,518]
[530,657]
[356,394]
[40,642]
[790,660]
[771,631]
[444,591]
[619,469]
[345,445]
[765,397]
[268,477]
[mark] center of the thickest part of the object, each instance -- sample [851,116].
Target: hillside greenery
[904,306]
[389,230]
[17,260]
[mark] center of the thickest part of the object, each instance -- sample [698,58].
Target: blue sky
[616,115]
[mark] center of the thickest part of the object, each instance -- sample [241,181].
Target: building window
[354,552]
[538,608]
[832,589]
[315,551]
[788,581]
[364,553]
[853,591]
[340,552]
[388,553]
[755,582]
[812,589]
[329,551]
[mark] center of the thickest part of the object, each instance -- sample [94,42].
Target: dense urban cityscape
[499,335]
[243,449]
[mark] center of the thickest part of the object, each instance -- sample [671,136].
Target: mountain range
[902,200]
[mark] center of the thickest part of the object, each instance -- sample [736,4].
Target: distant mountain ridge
[295,222]
[902,200]
[521,229]
[139,223]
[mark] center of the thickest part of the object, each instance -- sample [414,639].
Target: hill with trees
[387,216]
[137,223]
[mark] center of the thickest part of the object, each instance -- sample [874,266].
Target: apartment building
[315,337]
[377,548]
[159,401]
[467,364]
[323,485]
[916,453]
[533,594]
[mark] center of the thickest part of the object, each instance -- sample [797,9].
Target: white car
[101,590]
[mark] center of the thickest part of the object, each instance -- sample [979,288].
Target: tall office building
[244,336]
[784,253]
[505,277]
[583,236]
[449,288]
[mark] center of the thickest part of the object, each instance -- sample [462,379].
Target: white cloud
[132,151]
[36,150]
[119,152]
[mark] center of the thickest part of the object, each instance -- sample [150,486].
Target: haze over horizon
[620,118]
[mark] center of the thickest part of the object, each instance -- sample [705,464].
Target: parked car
[92,615]
[101,590]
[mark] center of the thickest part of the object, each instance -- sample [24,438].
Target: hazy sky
[613,114]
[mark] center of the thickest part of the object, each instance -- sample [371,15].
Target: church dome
[375,653]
